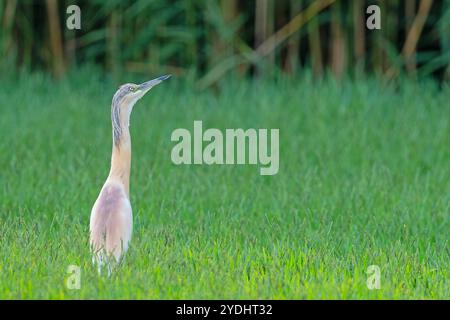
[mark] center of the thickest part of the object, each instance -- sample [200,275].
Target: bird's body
[111,221]
[111,224]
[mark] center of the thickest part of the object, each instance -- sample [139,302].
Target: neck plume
[121,152]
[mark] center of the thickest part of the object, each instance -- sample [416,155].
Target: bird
[111,220]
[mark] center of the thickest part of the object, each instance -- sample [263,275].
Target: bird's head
[124,100]
[128,94]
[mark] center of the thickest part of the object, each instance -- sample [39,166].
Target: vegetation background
[214,38]
[364,147]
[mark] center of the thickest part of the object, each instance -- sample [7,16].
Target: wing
[111,222]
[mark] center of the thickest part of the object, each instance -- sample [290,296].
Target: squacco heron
[111,220]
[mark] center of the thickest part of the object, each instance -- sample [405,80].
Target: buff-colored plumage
[111,221]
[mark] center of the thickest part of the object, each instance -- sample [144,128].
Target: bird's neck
[121,154]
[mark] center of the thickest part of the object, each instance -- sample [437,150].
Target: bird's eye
[132,89]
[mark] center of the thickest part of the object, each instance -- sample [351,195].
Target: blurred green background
[206,40]
[364,147]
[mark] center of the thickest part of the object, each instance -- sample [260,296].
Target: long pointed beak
[149,84]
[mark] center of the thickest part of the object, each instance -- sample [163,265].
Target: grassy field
[364,180]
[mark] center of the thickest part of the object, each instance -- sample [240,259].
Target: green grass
[364,179]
